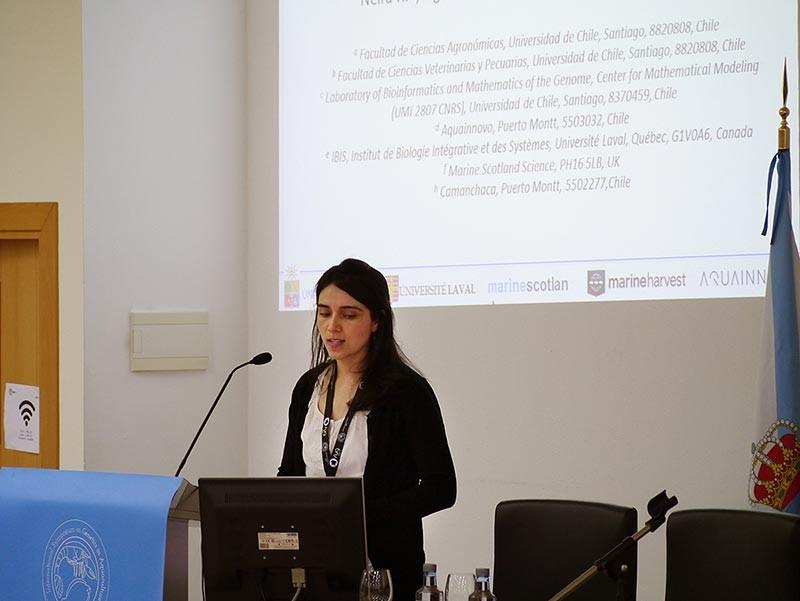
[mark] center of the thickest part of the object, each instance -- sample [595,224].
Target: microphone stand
[259,359]
[657,507]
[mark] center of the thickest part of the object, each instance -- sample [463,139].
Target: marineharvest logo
[75,564]
[596,282]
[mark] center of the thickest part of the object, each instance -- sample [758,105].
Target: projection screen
[524,152]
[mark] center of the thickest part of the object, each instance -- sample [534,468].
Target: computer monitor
[255,530]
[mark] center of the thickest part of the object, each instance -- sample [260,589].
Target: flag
[775,469]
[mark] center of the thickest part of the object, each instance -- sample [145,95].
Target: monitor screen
[255,531]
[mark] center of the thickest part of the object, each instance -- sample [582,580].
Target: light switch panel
[163,341]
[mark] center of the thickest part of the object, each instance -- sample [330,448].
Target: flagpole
[783,129]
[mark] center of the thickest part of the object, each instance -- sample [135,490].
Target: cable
[295,598]
[298,581]
[261,587]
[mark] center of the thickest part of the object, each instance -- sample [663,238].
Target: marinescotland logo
[75,564]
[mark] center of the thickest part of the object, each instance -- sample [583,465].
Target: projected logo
[75,564]
[26,411]
[726,278]
[596,282]
[291,293]
[394,287]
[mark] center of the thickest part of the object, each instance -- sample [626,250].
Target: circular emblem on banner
[75,564]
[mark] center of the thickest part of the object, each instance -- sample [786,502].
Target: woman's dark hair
[385,360]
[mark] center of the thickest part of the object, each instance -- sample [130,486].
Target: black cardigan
[409,472]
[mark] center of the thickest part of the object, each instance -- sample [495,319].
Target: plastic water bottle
[429,590]
[482,591]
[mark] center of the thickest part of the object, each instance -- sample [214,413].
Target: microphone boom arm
[259,359]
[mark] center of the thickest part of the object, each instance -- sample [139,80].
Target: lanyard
[331,458]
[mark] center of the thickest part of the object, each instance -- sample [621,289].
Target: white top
[355,450]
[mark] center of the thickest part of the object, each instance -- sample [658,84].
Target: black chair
[540,546]
[732,555]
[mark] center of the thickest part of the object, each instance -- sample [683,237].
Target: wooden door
[29,320]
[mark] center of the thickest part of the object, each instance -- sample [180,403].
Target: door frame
[39,221]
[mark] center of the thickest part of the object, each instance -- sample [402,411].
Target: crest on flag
[776,467]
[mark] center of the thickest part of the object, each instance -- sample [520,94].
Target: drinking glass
[376,585]
[459,587]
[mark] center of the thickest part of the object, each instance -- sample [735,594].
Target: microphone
[259,359]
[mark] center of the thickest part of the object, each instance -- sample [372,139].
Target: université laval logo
[75,565]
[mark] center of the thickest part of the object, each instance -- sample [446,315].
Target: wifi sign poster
[21,418]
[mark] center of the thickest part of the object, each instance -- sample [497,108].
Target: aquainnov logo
[75,564]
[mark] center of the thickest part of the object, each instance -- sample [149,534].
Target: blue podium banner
[82,536]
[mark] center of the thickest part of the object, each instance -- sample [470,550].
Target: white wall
[41,159]
[608,401]
[165,229]
[165,225]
